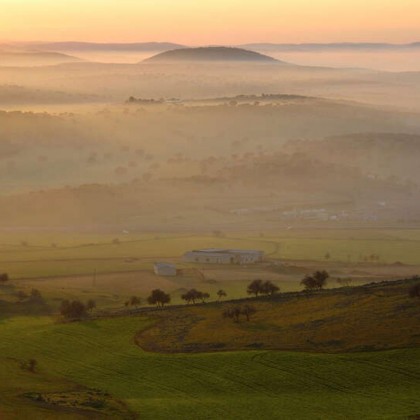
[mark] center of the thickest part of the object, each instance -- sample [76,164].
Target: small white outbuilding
[164,269]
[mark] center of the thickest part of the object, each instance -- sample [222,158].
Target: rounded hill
[211,54]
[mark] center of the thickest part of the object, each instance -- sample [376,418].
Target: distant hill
[212,54]
[337,46]
[36,58]
[92,46]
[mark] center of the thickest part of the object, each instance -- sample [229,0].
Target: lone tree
[232,313]
[4,277]
[255,287]
[73,309]
[269,288]
[90,305]
[35,296]
[221,294]
[414,291]
[317,281]
[248,310]
[135,301]
[159,298]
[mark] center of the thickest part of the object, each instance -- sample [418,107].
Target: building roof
[164,265]
[227,251]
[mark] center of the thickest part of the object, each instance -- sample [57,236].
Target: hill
[211,54]
[93,46]
[335,46]
[8,58]
[371,317]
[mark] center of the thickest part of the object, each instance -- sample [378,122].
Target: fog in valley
[106,139]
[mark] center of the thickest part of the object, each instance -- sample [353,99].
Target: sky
[203,22]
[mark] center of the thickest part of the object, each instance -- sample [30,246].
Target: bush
[73,309]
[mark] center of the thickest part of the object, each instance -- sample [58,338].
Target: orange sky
[211,21]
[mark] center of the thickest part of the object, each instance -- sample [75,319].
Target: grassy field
[257,384]
[371,317]
[34,255]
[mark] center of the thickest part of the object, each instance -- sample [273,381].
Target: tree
[135,301]
[414,291]
[191,296]
[72,309]
[255,287]
[248,310]
[269,288]
[232,313]
[309,283]
[4,277]
[159,298]
[236,311]
[90,305]
[221,294]
[321,278]
[317,281]
[35,296]
[327,256]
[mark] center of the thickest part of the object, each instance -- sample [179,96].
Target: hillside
[336,46]
[375,154]
[211,54]
[36,58]
[371,317]
[109,46]
[76,381]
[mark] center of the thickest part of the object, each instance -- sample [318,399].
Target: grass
[75,359]
[375,317]
[84,253]
[258,384]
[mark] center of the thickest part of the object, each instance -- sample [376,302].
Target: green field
[247,385]
[74,254]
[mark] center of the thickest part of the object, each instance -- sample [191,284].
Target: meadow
[34,255]
[248,385]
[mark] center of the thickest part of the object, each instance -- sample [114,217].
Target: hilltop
[212,54]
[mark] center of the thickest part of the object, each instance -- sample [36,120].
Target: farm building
[224,256]
[164,269]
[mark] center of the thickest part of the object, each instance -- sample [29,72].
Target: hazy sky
[211,21]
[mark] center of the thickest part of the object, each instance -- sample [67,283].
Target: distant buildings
[165,269]
[224,256]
